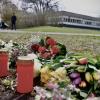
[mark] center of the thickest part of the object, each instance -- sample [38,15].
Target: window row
[80,21]
[74,20]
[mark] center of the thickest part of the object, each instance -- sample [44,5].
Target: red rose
[55,50]
[51,42]
[46,55]
[41,49]
[35,47]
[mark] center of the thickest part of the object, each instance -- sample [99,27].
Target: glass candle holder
[25,75]
[4,58]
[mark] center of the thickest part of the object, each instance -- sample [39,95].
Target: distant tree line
[39,10]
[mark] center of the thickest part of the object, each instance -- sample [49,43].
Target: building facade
[63,18]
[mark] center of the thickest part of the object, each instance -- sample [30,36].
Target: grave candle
[24,74]
[4,58]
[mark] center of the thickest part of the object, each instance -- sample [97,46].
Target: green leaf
[42,42]
[92,67]
[62,84]
[98,58]
[63,50]
[57,59]
[69,61]
[92,61]
[56,65]
[95,85]
[83,94]
[81,69]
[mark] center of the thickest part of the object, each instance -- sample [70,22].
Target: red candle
[24,75]
[3,63]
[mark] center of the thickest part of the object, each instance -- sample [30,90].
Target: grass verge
[61,30]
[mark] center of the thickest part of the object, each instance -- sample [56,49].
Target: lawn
[74,43]
[81,44]
[62,30]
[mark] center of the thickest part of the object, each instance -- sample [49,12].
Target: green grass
[81,44]
[61,30]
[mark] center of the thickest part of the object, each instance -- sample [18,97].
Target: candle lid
[3,50]
[32,55]
[25,58]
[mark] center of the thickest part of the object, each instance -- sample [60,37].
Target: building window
[68,19]
[64,19]
[98,24]
[88,23]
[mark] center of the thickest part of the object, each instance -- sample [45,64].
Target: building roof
[70,14]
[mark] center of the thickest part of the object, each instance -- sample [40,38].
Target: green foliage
[98,61]
[62,84]
[42,42]
[63,50]
[83,94]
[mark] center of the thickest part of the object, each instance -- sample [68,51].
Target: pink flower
[92,95]
[52,86]
[41,49]
[46,55]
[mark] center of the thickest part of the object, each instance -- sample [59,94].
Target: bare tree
[6,9]
[40,8]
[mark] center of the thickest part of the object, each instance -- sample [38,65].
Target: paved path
[20,31]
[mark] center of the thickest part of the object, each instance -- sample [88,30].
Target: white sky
[86,7]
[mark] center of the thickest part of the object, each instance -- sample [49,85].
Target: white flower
[2,42]
[37,67]
[77,89]
[48,95]
[72,87]
[37,64]
[69,98]
[9,45]
[37,97]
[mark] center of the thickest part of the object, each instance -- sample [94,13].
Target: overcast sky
[86,7]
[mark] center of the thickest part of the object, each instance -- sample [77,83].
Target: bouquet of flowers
[63,75]
[80,74]
[48,48]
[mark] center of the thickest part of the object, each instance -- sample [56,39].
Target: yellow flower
[96,76]
[45,74]
[88,77]
[53,76]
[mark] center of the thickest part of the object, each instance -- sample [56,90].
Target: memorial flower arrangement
[62,76]
[47,48]
[79,76]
